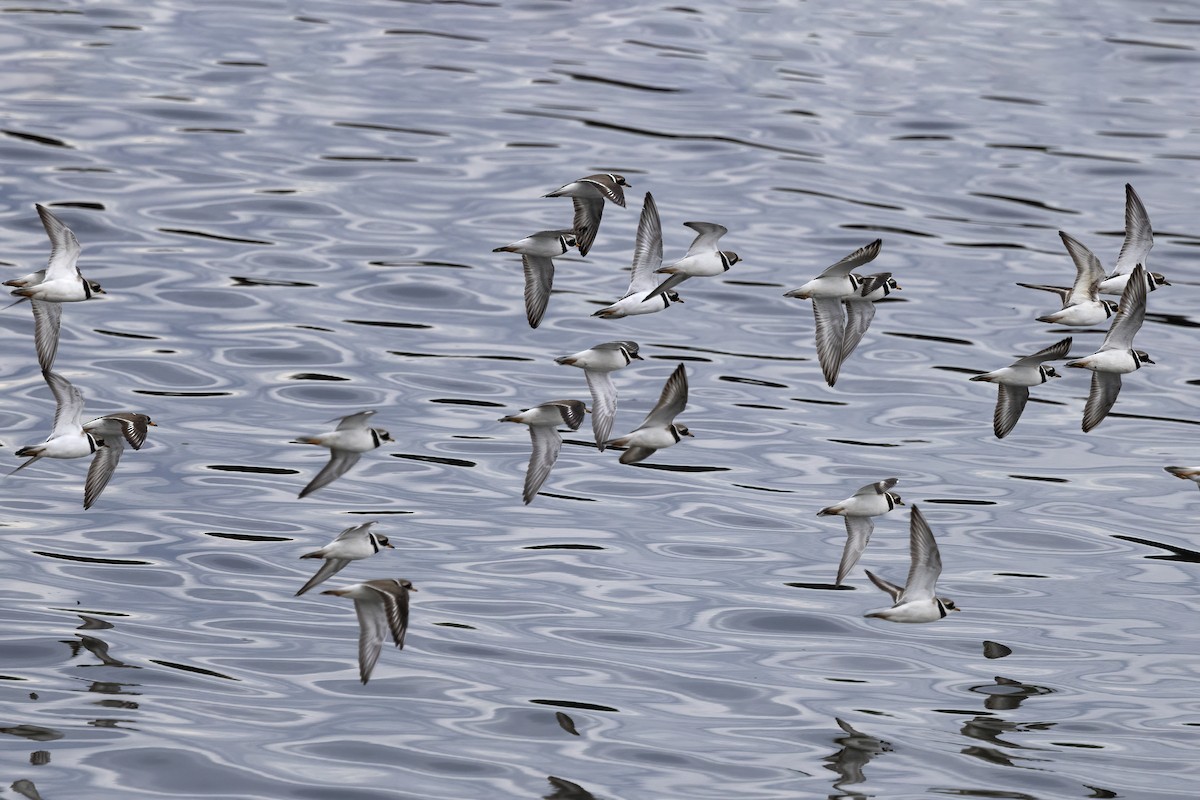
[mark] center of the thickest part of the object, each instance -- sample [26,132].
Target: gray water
[292,206]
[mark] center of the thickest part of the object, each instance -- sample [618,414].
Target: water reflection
[26,789]
[565,790]
[857,751]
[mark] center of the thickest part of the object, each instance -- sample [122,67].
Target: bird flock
[843,303]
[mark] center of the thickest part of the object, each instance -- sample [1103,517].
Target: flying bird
[1139,238]
[703,258]
[537,252]
[597,364]
[844,305]
[354,543]
[917,600]
[1116,357]
[113,430]
[543,420]
[869,501]
[60,281]
[382,608]
[588,195]
[658,429]
[647,257]
[1081,304]
[1014,381]
[352,437]
[102,438]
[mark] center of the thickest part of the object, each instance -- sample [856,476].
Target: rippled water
[293,207]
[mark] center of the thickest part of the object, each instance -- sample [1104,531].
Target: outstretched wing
[1055,351]
[647,249]
[604,404]
[926,560]
[546,444]
[858,533]
[100,472]
[1009,404]
[1139,238]
[863,255]
[539,279]
[1128,319]
[339,462]
[830,332]
[1105,388]
[47,318]
[64,248]
[671,402]
[329,568]
[707,236]
[68,416]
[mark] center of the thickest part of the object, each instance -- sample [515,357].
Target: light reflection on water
[294,212]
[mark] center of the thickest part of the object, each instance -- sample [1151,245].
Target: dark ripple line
[1177,553]
[644,87]
[987,245]
[218,237]
[90,611]
[256,470]
[863,444]
[449,462]
[379,323]
[573,704]
[124,335]
[371,126]
[1147,43]
[314,376]
[890,229]
[456,401]
[679,137]
[817,402]
[751,381]
[673,48]
[1039,478]
[197,670]
[383,159]
[154,393]
[239,280]
[1178,320]
[831,196]
[755,356]
[674,467]
[563,547]
[1002,98]
[94,560]
[826,587]
[1025,201]
[450,264]
[568,496]
[441,355]
[247,537]
[435,34]
[49,141]
[1124,415]
[924,337]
